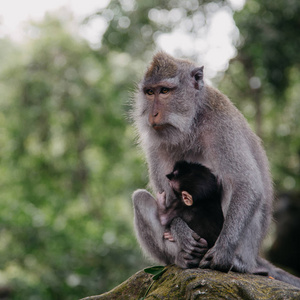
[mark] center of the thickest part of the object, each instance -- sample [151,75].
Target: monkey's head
[174,180]
[168,99]
[191,181]
[181,179]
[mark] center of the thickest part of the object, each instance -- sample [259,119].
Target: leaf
[156,271]
[155,277]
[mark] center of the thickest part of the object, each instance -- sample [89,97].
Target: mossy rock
[176,283]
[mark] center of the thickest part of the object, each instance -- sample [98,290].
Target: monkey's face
[174,182]
[169,98]
[177,180]
[165,108]
[159,97]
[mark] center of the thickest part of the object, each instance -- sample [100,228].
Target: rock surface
[176,283]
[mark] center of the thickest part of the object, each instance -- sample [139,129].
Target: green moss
[176,283]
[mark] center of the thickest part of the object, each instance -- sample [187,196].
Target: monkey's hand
[192,246]
[168,236]
[217,259]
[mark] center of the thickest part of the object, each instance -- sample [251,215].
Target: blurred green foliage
[264,82]
[69,162]
[68,167]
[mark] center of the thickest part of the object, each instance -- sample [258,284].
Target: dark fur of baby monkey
[179,117]
[197,200]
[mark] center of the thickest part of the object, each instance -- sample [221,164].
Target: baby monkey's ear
[187,198]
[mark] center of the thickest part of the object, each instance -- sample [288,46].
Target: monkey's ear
[187,198]
[170,176]
[197,75]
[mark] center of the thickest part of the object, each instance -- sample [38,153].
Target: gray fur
[203,127]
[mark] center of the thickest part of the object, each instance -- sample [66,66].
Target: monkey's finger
[200,240]
[196,236]
[171,239]
[198,254]
[195,250]
[188,257]
[203,251]
[203,243]
[199,251]
[190,246]
[204,264]
[191,262]
[168,236]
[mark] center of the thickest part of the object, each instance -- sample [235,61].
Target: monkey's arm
[192,246]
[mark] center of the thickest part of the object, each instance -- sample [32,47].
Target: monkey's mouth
[159,127]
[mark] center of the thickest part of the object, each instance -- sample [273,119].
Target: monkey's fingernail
[203,241]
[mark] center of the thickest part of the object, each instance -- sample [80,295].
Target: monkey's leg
[242,259]
[149,231]
[248,249]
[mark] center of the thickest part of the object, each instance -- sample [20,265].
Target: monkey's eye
[164,90]
[149,92]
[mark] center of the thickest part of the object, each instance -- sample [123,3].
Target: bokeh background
[68,157]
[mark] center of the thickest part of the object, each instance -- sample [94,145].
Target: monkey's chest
[195,157]
[172,155]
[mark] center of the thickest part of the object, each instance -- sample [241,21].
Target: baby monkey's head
[191,181]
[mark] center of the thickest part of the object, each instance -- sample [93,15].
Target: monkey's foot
[216,260]
[187,261]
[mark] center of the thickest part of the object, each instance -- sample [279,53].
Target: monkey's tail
[278,273]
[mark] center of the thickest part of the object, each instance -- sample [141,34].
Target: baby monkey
[198,201]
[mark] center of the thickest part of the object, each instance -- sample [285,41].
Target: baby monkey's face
[174,182]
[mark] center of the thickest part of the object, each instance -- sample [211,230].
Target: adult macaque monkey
[179,117]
